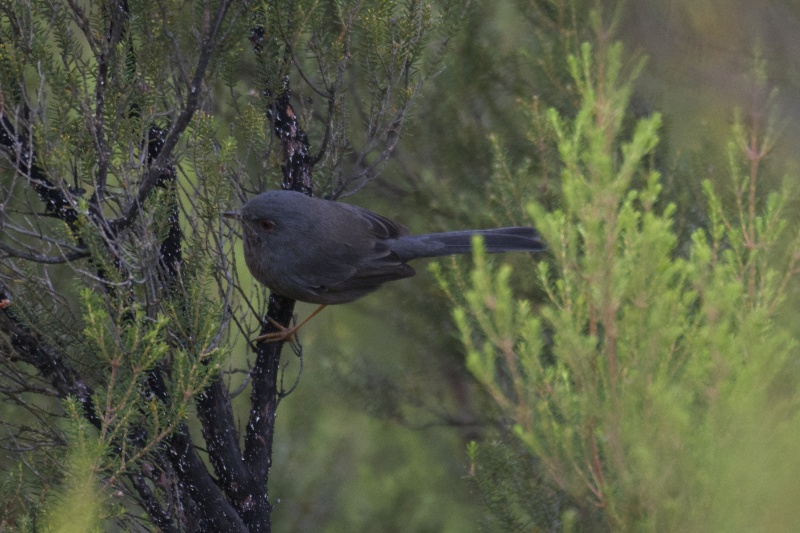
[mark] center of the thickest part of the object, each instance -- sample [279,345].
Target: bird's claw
[282,335]
[285,334]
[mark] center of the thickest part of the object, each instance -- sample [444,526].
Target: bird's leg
[285,334]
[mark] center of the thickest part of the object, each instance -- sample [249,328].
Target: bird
[325,252]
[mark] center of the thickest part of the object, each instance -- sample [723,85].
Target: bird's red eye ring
[266,225]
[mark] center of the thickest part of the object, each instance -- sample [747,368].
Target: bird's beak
[236,215]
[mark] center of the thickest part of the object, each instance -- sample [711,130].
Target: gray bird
[324,252]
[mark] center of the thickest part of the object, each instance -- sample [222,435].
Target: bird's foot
[283,334]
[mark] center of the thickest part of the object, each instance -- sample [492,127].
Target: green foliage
[132,291]
[81,503]
[362,63]
[129,344]
[114,318]
[517,491]
[660,389]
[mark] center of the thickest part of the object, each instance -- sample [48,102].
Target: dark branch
[42,258]
[48,360]
[160,517]
[216,513]
[297,167]
[170,253]
[24,160]
[160,165]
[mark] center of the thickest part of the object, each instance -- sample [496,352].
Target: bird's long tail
[516,239]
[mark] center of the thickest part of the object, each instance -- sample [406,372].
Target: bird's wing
[349,276]
[363,282]
[337,266]
[340,264]
[380,226]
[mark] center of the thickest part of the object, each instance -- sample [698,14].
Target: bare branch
[29,255]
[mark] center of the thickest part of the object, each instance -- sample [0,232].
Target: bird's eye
[266,225]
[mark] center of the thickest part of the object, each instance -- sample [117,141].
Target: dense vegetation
[641,375]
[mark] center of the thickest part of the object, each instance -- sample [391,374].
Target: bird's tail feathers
[515,239]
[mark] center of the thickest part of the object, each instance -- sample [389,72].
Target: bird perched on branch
[324,252]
